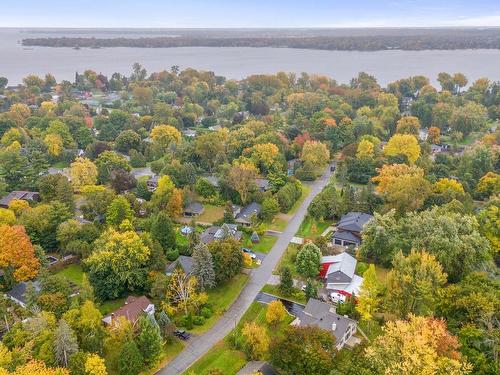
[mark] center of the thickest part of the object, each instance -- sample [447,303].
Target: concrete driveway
[198,346]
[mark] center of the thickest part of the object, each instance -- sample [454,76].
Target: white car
[337,297]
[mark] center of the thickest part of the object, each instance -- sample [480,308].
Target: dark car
[183,335]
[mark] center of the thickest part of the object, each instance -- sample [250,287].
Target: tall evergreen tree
[163,231]
[131,360]
[149,340]
[203,267]
[286,281]
[65,343]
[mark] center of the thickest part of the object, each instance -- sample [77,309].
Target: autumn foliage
[17,252]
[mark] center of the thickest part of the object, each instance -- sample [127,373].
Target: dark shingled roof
[193,208]
[246,212]
[323,315]
[346,236]
[19,290]
[24,195]
[354,221]
[186,263]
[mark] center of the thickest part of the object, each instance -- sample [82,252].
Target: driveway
[258,278]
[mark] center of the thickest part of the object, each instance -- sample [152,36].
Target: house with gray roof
[193,209]
[245,215]
[216,233]
[262,184]
[337,271]
[152,183]
[29,196]
[349,229]
[324,316]
[183,262]
[18,292]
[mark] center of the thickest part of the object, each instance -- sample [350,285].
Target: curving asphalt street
[199,345]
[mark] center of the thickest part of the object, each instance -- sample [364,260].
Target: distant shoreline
[409,40]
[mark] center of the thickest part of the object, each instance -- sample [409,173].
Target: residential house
[262,184]
[349,229]
[214,180]
[183,262]
[189,133]
[193,209]
[216,233]
[133,308]
[29,196]
[337,271]
[152,183]
[324,316]
[18,292]
[247,213]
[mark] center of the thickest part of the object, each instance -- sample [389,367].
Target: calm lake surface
[17,61]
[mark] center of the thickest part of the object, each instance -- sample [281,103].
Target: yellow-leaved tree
[315,153]
[83,172]
[418,345]
[366,149]
[403,144]
[165,135]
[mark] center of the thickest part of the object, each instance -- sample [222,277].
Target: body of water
[17,61]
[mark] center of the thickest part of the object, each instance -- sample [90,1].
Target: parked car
[183,335]
[250,252]
[337,297]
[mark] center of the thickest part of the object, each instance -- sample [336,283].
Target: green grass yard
[296,296]
[73,273]
[109,306]
[278,224]
[288,259]
[221,298]
[229,361]
[264,246]
[211,214]
[311,227]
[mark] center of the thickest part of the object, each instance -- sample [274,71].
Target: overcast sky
[248,13]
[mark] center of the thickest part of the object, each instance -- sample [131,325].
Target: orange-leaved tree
[17,253]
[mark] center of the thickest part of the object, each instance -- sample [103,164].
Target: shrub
[206,312]
[198,320]
[172,255]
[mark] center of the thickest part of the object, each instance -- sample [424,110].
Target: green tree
[162,230]
[65,343]
[369,296]
[308,260]
[149,339]
[227,258]
[303,350]
[412,283]
[286,281]
[270,207]
[131,360]
[118,211]
[203,267]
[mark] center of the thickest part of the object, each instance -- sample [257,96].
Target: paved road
[198,346]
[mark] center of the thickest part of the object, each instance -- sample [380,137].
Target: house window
[347,243]
[338,242]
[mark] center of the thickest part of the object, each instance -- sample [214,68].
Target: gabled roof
[262,183]
[185,262]
[195,208]
[131,310]
[343,263]
[141,172]
[220,233]
[354,221]
[246,212]
[18,291]
[19,194]
[214,180]
[346,236]
[323,315]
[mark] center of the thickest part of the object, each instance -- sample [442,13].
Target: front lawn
[278,224]
[311,227]
[211,214]
[73,273]
[297,295]
[109,306]
[221,298]
[264,246]
[228,360]
[169,352]
[288,259]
